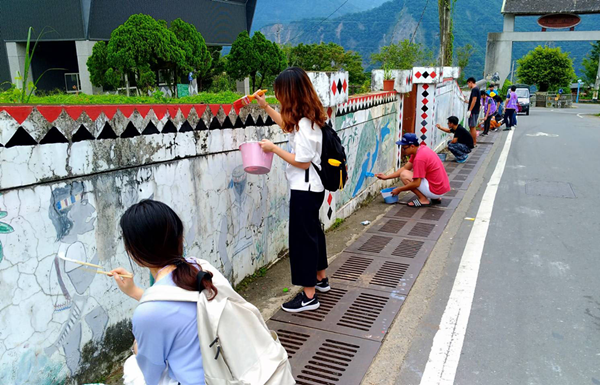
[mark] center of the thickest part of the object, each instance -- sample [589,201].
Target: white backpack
[237,346]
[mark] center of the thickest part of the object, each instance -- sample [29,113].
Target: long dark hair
[298,99]
[153,237]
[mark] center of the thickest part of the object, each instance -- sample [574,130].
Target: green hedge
[10,97]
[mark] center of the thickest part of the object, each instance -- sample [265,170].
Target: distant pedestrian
[474,105]
[511,108]
[424,174]
[461,145]
[489,110]
[492,90]
[302,117]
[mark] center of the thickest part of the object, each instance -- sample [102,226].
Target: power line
[421,19]
[322,21]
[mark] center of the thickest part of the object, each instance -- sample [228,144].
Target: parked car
[524,98]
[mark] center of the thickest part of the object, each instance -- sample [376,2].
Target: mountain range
[365,26]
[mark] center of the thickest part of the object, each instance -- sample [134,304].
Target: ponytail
[191,278]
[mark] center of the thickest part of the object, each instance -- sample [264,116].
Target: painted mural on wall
[369,139]
[53,307]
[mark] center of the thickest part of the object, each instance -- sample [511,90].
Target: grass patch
[11,97]
[338,222]
[248,280]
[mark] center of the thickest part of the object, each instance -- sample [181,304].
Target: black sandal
[417,203]
[436,202]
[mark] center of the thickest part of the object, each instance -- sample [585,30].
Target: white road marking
[579,116]
[543,134]
[448,341]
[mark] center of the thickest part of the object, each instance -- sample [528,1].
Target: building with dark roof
[546,7]
[73,27]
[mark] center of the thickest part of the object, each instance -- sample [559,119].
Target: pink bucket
[255,160]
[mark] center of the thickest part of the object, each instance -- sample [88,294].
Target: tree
[217,67]
[590,64]
[243,60]
[403,55]
[546,67]
[197,58]
[255,57]
[142,46]
[101,73]
[327,57]
[463,55]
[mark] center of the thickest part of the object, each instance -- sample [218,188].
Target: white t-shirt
[306,144]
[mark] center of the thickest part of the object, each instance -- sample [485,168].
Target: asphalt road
[535,316]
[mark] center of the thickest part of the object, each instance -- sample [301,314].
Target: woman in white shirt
[302,117]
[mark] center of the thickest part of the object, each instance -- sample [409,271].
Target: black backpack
[334,171]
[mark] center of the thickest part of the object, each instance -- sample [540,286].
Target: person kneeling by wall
[424,174]
[462,143]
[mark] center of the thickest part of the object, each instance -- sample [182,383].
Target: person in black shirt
[462,143]
[474,106]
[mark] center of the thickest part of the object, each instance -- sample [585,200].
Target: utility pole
[597,85]
[446,41]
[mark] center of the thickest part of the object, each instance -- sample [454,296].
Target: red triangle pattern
[19,113]
[185,109]
[214,108]
[94,111]
[200,108]
[227,108]
[109,111]
[74,111]
[159,110]
[127,110]
[51,113]
[143,109]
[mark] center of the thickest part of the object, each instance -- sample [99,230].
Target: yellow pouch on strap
[334,162]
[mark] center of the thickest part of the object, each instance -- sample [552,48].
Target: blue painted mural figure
[243,219]
[73,216]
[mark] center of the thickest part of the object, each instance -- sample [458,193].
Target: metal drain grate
[390,274]
[422,230]
[432,215]
[460,177]
[405,212]
[352,269]
[408,248]
[375,244]
[451,193]
[382,274]
[361,312]
[325,358]
[464,172]
[392,226]
[457,185]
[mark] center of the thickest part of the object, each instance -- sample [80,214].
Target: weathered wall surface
[68,173]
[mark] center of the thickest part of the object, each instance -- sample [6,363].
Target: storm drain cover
[373,273]
[358,312]
[550,189]
[400,249]
[320,357]
[403,227]
[434,214]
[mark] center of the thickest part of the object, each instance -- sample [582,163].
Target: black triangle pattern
[238,123]
[130,131]
[269,121]
[82,134]
[150,129]
[201,125]
[214,124]
[169,127]
[250,121]
[54,136]
[260,122]
[186,127]
[227,123]
[21,138]
[107,132]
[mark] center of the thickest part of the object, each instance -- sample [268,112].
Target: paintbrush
[92,265]
[238,104]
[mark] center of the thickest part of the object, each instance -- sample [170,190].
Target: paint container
[388,197]
[443,157]
[255,160]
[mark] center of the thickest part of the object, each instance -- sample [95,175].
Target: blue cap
[408,139]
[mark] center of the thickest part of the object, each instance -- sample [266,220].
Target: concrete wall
[63,194]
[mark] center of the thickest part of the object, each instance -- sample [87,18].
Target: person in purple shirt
[489,110]
[166,332]
[511,109]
